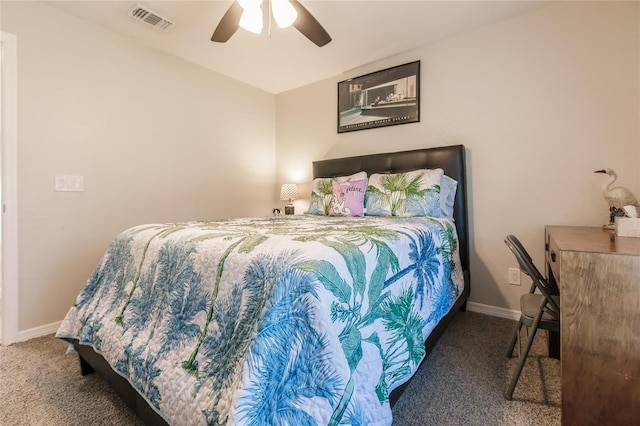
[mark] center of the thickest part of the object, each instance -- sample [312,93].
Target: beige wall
[540,100]
[152,135]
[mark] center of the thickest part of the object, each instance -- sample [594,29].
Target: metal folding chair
[539,310]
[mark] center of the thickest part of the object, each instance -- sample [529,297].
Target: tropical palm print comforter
[286,320]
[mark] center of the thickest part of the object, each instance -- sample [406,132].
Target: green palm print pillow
[415,193]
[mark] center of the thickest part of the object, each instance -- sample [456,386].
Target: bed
[292,319]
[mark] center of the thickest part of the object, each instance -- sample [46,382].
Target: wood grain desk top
[593,240]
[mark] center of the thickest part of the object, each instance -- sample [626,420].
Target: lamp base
[289,209]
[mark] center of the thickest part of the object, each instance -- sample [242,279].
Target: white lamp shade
[283,13]
[289,191]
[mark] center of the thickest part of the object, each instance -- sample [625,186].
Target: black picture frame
[383,98]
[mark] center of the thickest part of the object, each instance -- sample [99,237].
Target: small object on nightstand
[276,212]
[289,192]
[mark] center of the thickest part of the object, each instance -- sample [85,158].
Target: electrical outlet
[514,276]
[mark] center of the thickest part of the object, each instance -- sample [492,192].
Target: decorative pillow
[322,192]
[415,193]
[348,198]
[448,188]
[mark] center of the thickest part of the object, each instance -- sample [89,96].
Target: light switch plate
[69,183]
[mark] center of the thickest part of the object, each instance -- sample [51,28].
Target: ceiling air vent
[144,14]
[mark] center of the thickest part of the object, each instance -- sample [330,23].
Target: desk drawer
[553,256]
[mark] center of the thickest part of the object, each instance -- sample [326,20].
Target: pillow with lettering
[414,193]
[348,198]
[322,192]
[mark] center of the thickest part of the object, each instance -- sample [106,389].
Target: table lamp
[289,192]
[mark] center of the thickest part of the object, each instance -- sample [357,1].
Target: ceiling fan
[248,15]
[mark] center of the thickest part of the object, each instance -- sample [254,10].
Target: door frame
[9,188]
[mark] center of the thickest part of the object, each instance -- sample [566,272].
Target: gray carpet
[464,378]
[462,383]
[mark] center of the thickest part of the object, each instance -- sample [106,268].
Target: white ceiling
[363,31]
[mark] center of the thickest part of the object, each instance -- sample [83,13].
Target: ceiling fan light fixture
[248,15]
[283,13]
[251,20]
[249,4]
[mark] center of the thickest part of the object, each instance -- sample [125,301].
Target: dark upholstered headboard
[451,159]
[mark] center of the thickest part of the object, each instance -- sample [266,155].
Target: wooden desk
[598,275]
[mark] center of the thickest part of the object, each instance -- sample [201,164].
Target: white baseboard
[38,331]
[494,311]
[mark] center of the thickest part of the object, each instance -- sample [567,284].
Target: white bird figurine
[617,197]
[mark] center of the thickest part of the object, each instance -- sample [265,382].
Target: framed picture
[382,98]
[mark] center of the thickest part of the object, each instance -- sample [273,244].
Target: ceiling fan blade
[229,24]
[309,26]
